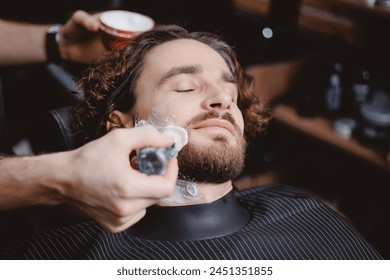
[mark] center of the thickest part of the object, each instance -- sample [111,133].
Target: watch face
[55,28]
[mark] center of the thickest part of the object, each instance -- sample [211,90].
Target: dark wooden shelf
[261,7]
[352,20]
[322,129]
[359,6]
[272,81]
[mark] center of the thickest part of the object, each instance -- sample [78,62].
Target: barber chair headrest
[55,133]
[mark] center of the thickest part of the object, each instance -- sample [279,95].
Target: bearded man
[170,77]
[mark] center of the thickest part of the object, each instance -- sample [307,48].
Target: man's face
[187,83]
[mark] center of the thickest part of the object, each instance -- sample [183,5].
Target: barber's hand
[80,40]
[107,188]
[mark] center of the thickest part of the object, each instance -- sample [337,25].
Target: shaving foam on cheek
[153,160]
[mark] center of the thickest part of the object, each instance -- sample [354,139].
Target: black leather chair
[54,132]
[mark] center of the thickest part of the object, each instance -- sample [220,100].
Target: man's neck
[205,193]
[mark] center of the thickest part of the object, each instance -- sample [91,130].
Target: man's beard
[218,162]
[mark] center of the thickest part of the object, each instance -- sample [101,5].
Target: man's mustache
[213,115]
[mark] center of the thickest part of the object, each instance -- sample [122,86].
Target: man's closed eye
[185,90]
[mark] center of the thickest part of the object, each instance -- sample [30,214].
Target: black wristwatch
[53,43]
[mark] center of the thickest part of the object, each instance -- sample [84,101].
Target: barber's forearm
[22,43]
[26,181]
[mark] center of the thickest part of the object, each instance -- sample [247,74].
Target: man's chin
[211,161]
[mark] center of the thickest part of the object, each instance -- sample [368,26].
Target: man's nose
[217,98]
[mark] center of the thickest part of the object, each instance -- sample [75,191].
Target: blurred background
[323,65]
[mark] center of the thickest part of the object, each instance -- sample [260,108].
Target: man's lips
[215,123]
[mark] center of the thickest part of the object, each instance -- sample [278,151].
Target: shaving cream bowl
[117,27]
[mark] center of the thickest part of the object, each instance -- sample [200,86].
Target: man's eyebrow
[188,69]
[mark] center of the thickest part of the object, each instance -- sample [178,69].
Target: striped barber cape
[286,223]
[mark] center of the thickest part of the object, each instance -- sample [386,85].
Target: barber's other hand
[107,188]
[80,40]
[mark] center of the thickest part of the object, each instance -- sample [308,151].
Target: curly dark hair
[110,85]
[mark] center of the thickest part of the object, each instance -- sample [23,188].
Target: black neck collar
[192,222]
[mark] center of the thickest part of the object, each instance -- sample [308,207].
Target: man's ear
[119,119]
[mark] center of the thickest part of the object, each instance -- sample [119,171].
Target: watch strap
[53,43]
